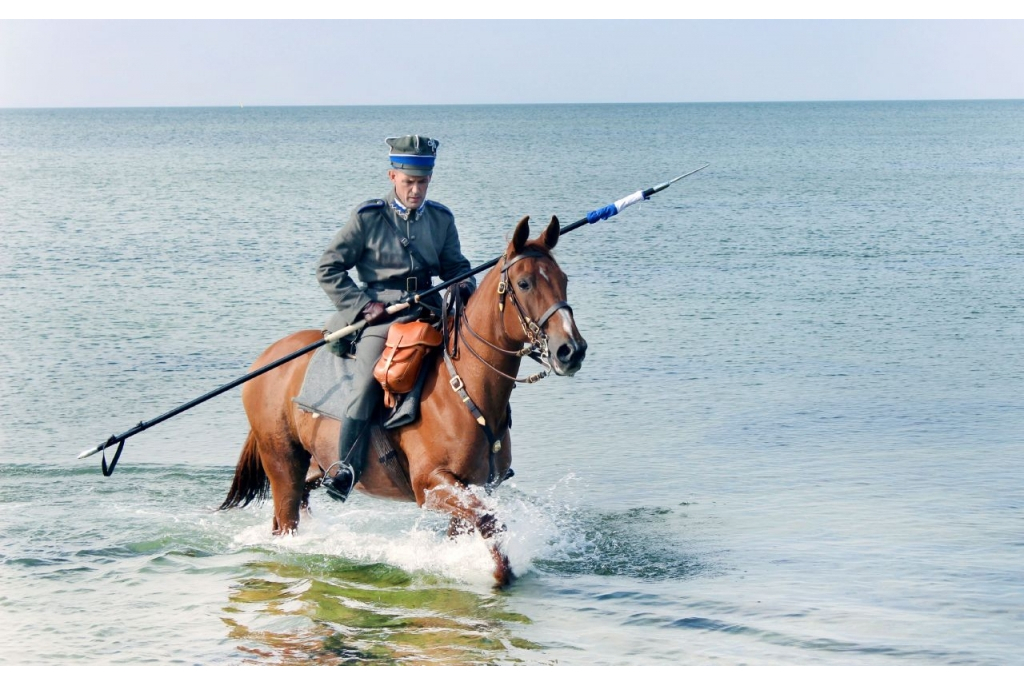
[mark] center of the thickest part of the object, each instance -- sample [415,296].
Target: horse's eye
[523,284]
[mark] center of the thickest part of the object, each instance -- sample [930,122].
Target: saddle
[330,381]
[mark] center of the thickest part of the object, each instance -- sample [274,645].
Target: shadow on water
[318,609]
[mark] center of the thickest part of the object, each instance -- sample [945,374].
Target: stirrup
[340,485]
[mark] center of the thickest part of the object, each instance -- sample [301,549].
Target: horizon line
[521,104]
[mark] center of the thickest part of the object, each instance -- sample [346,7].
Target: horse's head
[533,295]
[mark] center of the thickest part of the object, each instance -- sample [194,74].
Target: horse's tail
[250,481]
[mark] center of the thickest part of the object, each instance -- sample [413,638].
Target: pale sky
[115,63]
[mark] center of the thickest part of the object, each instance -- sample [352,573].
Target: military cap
[413,155]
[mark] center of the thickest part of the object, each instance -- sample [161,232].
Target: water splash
[553,531]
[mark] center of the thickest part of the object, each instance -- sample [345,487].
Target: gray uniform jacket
[369,242]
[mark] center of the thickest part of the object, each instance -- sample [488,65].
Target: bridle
[536,347]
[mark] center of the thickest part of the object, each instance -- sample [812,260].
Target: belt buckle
[411,284]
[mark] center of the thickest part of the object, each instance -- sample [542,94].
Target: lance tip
[666,184]
[704,166]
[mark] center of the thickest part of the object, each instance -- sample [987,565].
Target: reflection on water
[318,609]
[339,594]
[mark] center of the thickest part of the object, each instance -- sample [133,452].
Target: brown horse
[519,308]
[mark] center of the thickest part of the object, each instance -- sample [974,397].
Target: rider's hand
[374,312]
[465,290]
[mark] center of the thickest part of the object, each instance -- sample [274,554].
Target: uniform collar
[401,210]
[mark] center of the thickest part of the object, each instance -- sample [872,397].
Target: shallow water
[796,438]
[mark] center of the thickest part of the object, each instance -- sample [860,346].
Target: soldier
[396,245]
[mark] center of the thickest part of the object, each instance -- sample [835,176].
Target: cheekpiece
[413,155]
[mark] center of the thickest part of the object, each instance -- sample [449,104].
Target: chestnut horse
[519,308]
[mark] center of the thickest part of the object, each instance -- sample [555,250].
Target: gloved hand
[374,312]
[465,290]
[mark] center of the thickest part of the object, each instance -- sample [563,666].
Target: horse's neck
[488,388]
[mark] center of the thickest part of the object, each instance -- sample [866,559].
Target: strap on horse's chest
[493,442]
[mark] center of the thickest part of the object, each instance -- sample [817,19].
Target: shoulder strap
[369,204]
[438,205]
[493,442]
[406,243]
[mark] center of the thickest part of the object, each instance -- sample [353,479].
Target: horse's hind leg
[314,477]
[286,464]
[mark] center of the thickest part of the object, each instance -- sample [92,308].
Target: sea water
[797,437]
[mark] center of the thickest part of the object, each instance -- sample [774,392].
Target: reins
[536,348]
[454,302]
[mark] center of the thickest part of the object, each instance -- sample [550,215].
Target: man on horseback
[396,245]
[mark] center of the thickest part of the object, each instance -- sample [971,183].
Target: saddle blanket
[328,384]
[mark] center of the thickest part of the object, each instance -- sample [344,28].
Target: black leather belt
[414,282]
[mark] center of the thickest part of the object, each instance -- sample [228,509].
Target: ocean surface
[797,438]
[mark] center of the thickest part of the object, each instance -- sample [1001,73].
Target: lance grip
[361,324]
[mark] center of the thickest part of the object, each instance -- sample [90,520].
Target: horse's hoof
[503,577]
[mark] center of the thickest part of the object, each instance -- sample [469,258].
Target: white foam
[415,540]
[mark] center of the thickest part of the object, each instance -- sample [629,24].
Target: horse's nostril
[572,352]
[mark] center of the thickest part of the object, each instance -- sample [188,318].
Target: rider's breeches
[368,394]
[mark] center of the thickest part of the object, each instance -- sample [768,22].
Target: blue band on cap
[424,161]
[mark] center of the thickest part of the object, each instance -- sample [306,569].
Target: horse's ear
[521,234]
[550,235]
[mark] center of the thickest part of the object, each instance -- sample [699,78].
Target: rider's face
[411,190]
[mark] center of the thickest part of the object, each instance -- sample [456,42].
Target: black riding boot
[355,436]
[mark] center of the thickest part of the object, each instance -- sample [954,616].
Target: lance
[593,217]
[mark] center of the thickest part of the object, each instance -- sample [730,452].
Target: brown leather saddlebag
[404,350]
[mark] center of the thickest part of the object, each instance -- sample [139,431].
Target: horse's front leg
[442,491]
